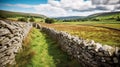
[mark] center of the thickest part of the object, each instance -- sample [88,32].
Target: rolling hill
[4,13]
[105,15]
[70,17]
[102,16]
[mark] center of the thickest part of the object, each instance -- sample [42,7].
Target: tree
[49,20]
[22,19]
[32,20]
[95,19]
[118,18]
[3,16]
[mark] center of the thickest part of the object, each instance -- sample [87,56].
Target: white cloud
[55,8]
[50,10]
[107,4]
[110,2]
[54,3]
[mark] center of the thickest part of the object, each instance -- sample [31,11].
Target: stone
[11,56]
[6,40]
[78,56]
[88,54]
[79,42]
[2,38]
[12,62]
[3,49]
[2,55]
[115,60]
[108,59]
[16,49]
[10,36]
[106,47]
[97,46]
[117,51]
[100,54]
[106,53]
[77,52]
[3,59]
[4,32]
[100,49]
[84,43]
[4,63]
[109,49]
[92,42]
[103,60]
[89,47]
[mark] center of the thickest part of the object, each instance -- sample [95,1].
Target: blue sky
[32,2]
[57,8]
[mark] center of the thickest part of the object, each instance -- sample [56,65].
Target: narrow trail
[47,53]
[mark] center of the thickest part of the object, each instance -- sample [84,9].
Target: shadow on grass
[61,59]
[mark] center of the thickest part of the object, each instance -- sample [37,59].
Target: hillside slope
[105,15]
[70,17]
[20,14]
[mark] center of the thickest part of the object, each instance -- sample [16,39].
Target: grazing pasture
[110,24]
[99,34]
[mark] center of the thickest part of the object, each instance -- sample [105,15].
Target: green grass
[102,35]
[90,22]
[111,24]
[36,19]
[39,20]
[41,51]
[108,16]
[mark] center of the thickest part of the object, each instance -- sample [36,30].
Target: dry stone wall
[88,53]
[11,37]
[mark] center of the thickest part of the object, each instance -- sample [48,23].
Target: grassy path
[40,51]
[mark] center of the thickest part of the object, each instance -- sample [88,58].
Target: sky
[59,8]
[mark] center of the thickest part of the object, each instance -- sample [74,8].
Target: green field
[41,51]
[111,24]
[36,19]
[14,16]
[91,30]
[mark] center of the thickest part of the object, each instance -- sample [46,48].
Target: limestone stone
[2,38]
[92,42]
[98,46]
[100,54]
[3,49]
[5,40]
[109,49]
[117,51]
[4,63]
[4,32]
[3,59]
[103,60]
[108,59]
[12,56]
[2,55]
[115,60]
[106,53]
[89,47]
